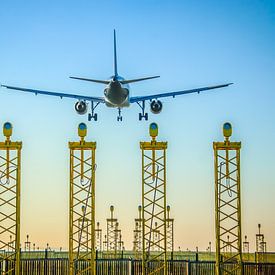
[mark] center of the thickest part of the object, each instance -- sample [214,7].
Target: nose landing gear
[119,117]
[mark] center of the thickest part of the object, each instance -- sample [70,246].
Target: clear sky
[189,44]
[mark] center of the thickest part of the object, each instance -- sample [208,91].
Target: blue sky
[189,44]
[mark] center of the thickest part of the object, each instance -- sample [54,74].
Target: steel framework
[82,205]
[154,204]
[228,205]
[10,189]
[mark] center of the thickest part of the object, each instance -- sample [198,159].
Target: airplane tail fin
[115,56]
[126,81]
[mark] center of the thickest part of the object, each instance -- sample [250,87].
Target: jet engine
[81,107]
[156,106]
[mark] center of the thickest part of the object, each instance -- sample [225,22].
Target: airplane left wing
[61,95]
[173,94]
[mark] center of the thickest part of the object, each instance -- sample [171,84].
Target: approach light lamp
[227,129]
[7,129]
[153,129]
[82,130]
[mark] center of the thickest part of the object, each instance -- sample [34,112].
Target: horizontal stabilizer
[138,79]
[91,80]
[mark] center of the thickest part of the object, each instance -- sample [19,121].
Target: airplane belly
[117,98]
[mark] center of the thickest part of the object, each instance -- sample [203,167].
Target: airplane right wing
[173,94]
[61,95]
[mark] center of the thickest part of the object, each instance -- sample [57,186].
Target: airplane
[116,94]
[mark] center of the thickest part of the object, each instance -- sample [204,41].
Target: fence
[131,267]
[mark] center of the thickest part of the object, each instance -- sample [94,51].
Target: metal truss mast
[10,189]
[82,205]
[154,205]
[228,205]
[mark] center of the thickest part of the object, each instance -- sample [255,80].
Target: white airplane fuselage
[117,95]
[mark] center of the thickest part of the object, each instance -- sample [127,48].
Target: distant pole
[170,232]
[260,246]
[98,236]
[27,244]
[137,243]
[245,245]
[112,233]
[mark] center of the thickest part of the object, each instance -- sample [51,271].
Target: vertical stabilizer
[115,58]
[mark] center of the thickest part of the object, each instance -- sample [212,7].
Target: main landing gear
[142,114]
[93,115]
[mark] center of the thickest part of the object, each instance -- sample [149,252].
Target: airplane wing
[173,94]
[61,95]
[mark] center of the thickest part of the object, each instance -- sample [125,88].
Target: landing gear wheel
[146,116]
[119,118]
[141,116]
[94,117]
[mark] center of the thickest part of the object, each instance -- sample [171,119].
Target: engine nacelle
[156,106]
[81,107]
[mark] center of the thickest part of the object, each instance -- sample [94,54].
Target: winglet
[115,57]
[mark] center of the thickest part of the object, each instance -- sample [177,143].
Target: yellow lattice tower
[170,232]
[82,205]
[137,244]
[112,237]
[154,204]
[10,189]
[228,205]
